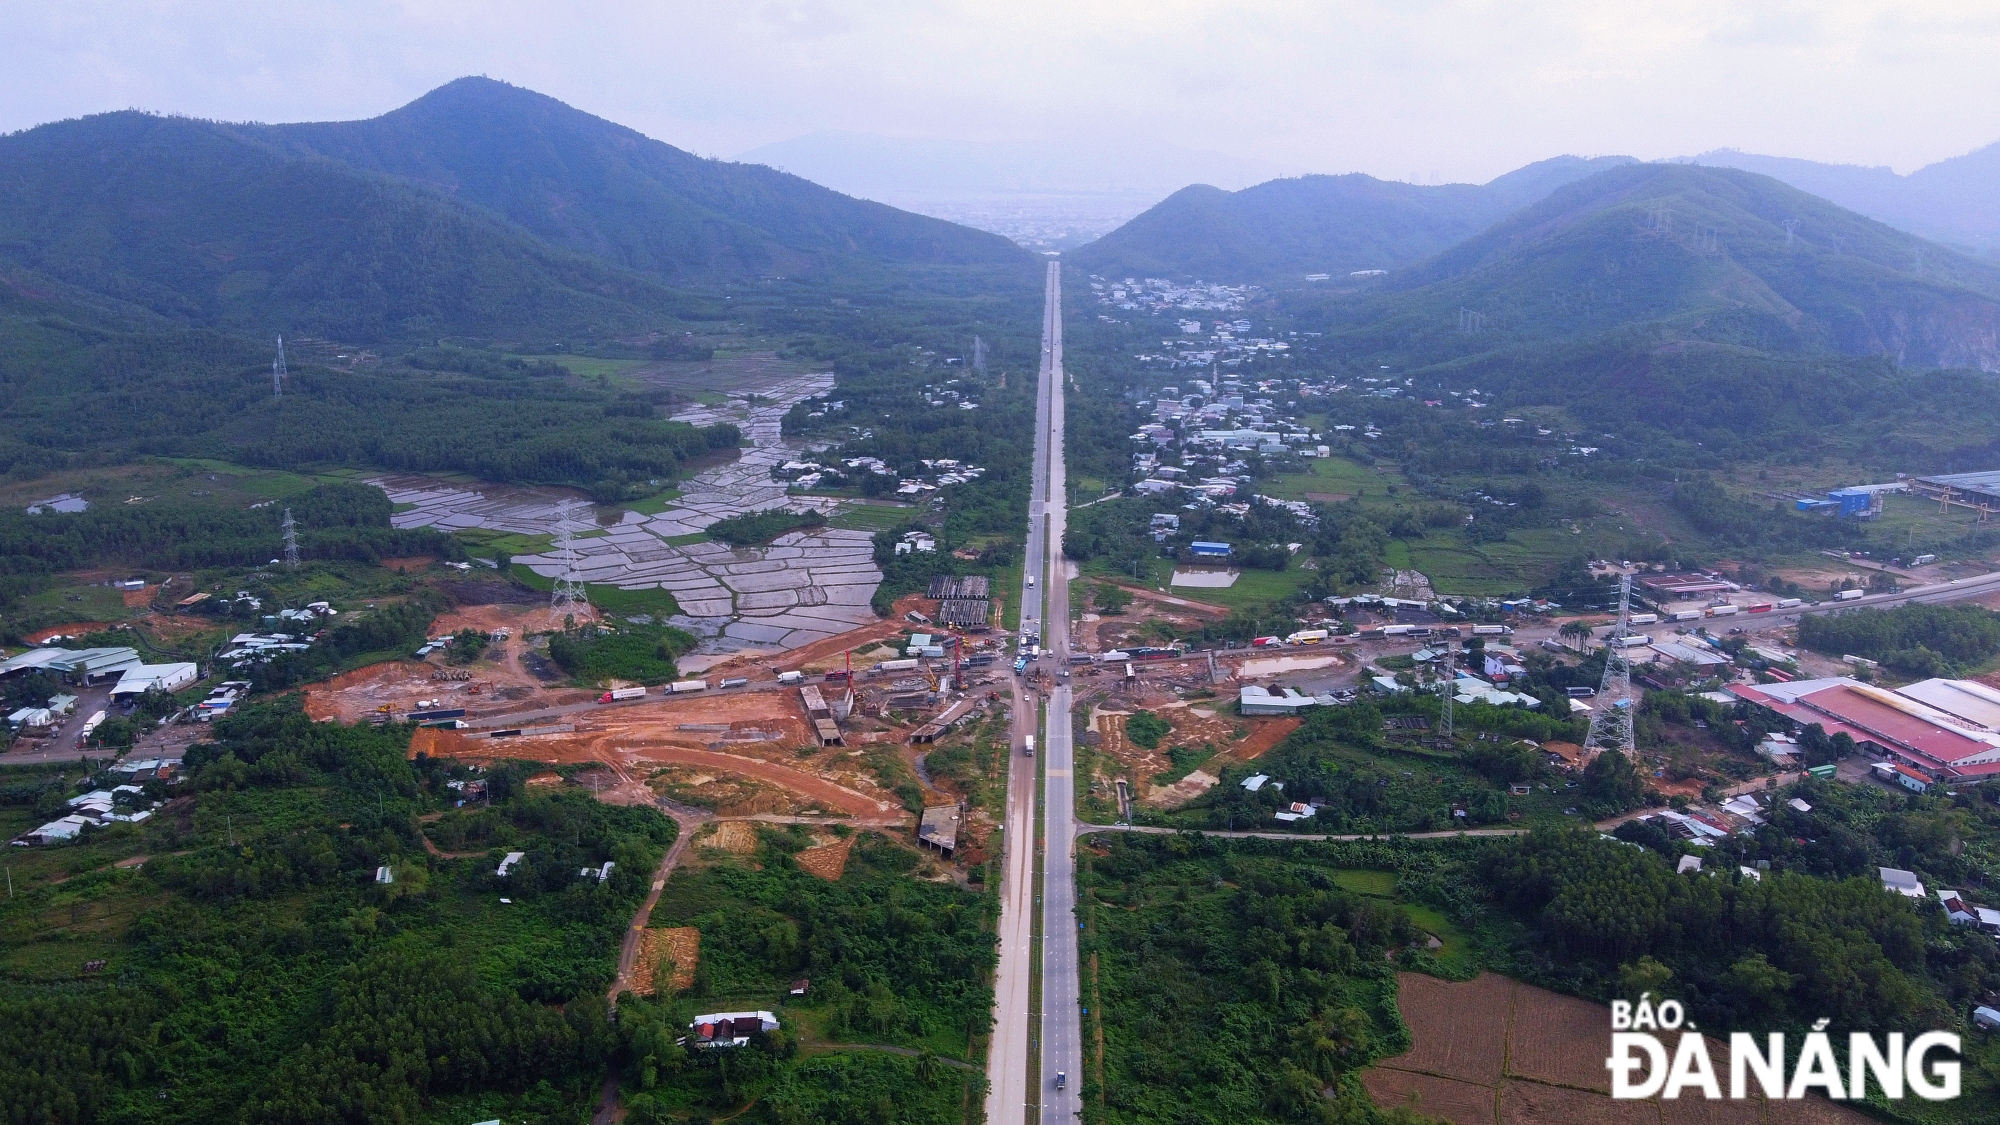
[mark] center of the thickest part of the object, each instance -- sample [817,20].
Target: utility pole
[1611,722]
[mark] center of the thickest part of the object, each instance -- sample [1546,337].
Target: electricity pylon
[568,593]
[1611,720]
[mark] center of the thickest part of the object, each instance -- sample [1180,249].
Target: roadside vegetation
[257,962]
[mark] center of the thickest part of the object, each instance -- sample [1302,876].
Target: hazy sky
[1398,88]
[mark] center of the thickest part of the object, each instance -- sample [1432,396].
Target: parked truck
[1492,631]
[735,681]
[1642,618]
[1790,603]
[622,693]
[1723,610]
[1685,615]
[906,665]
[679,687]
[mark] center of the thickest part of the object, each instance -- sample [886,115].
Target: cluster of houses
[1155,295]
[94,809]
[122,668]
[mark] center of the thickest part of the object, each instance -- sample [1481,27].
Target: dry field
[1236,740]
[736,837]
[1492,1051]
[828,859]
[681,944]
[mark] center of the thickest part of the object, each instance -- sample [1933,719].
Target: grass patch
[688,540]
[755,529]
[1252,587]
[590,367]
[486,542]
[1334,476]
[78,603]
[657,604]
[655,504]
[1379,884]
[865,516]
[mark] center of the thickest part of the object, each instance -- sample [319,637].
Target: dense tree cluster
[1920,640]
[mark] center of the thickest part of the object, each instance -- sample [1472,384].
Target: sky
[1423,90]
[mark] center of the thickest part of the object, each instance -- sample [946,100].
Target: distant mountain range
[1286,229]
[480,208]
[1694,253]
[1955,201]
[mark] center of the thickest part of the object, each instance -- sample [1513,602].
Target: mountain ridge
[1285,229]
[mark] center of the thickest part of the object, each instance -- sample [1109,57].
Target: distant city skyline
[1451,91]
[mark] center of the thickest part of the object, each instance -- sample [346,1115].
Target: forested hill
[601,189]
[1285,229]
[205,226]
[1697,253]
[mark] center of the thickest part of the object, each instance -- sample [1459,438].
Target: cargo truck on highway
[1849,595]
[897,666]
[622,693]
[1685,615]
[791,677]
[1642,618]
[1723,610]
[1492,631]
[1029,747]
[735,681]
[680,686]
[1306,637]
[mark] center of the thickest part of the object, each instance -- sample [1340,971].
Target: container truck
[1789,603]
[1849,595]
[896,666]
[622,693]
[680,686]
[1633,640]
[791,677]
[1492,631]
[1685,615]
[1723,610]
[1028,748]
[1642,619]
[734,681]
[1307,637]
[1397,630]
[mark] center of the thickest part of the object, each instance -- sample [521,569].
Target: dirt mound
[826,860]
[679,944]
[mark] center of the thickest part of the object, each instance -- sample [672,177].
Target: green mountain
[1695,253]
[601,189]
[203,225]
[1285,229]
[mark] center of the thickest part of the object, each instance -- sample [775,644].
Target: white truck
[1488,631]
[791,677]
[622,693]
[1642,619]
[897,666]
[1307,637]
[1724,610]
[1849,595]
[679,687]
[1685,615]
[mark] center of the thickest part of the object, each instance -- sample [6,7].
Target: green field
[486,543]
[655,504]
[1334,476]
[1253,587]
[659,604]
[1521,562]
[871,516]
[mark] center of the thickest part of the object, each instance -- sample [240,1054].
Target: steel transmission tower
[278,371]
[978,356]
[568,593]
[1449,689]
[1611,721]
[291,542]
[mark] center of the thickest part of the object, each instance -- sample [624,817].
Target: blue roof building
[1203,549]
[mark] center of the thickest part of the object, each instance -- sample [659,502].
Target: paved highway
[1062,1024]
[1009,1101]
